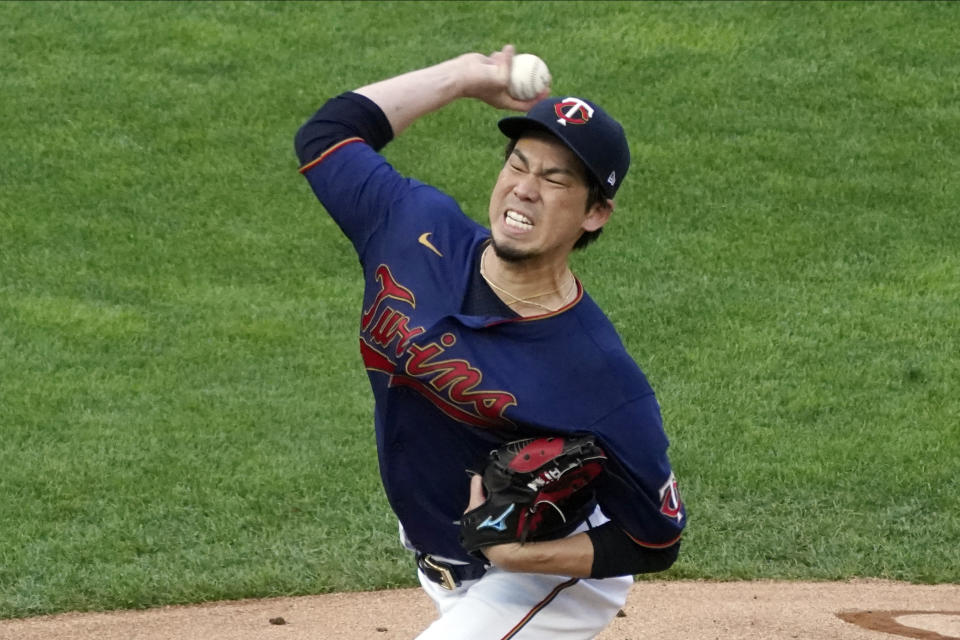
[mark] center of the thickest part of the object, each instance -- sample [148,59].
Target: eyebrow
[549,172]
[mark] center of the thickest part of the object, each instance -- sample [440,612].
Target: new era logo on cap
[587,130]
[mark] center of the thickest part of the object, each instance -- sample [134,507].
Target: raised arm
[409,96]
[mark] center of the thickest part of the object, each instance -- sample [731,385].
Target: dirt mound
[679,610]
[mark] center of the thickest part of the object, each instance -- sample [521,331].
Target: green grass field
[183,413]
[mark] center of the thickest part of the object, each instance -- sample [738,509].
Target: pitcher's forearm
[406,97]
[571,556]
[409,96]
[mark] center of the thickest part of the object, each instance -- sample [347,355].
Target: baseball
[528,76]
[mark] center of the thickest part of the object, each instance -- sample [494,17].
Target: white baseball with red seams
[529,76]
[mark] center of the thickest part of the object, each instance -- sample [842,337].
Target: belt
[448,575]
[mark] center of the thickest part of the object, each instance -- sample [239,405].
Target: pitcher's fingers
[476,492]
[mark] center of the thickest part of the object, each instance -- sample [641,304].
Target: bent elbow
[668,557]
[300,141]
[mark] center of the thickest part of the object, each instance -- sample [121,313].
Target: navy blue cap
[595,137]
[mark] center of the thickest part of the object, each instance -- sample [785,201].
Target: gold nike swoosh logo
[424,239]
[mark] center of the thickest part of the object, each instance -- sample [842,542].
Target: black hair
[595,195]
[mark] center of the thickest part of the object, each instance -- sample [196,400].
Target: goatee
[510,255]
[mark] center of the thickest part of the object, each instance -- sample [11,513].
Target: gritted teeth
[518,220]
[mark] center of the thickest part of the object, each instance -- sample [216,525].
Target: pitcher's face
[538,205]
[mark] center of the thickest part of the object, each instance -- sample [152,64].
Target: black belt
[447,575]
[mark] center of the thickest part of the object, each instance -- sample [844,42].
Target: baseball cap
[589,131]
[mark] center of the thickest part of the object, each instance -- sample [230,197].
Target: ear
[598,215]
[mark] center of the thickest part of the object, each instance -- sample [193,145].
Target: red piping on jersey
[542,316]
[318,160]
[539,607]
[650,545]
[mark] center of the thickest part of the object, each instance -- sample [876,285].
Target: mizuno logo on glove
[497,524]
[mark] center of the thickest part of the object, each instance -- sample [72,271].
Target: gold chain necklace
[529,299]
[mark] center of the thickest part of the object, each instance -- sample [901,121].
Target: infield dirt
[678,610]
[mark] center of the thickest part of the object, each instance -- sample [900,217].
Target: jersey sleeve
[349,115]
[337,148]
[639,491]
[358,188]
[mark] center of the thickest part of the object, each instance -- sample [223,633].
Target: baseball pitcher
[519,444]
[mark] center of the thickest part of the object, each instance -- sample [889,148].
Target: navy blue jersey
[450,386]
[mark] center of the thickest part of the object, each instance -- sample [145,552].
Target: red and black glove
[535,488]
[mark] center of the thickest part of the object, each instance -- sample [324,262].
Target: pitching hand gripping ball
[528,76]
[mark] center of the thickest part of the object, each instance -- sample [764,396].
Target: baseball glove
[536,489]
